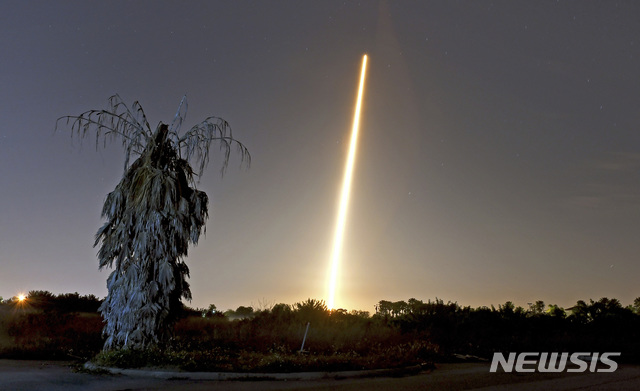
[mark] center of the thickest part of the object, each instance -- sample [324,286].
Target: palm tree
[152,216]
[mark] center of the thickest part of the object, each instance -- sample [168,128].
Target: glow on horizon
[346,190]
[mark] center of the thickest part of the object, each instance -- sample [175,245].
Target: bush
[53,335]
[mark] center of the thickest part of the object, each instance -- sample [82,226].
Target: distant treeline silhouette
[65,302]
[603,325]
[593,326]
[427,329]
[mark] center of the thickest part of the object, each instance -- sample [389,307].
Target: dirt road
[55,376]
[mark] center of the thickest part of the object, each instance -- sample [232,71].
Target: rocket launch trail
[344,195]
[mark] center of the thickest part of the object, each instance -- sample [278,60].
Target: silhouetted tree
[74,302]
[384,307]
[556,311]
[580,312]
[40,299]
[244,312]
[153,215]
[398,308]
[537,308]
[636,305]
[311,310]
[507,309]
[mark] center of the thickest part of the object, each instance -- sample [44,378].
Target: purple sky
[499,153]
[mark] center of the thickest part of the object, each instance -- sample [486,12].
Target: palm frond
[116,121]
[181,115]
[196,142]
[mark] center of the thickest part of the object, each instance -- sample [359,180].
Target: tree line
[588,326]
[64,302]
[583,311]
[432,328]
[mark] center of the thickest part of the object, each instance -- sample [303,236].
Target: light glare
[346,190]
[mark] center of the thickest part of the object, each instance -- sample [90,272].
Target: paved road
[55,376]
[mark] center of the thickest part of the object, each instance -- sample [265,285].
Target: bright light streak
[346,190]
[21,298]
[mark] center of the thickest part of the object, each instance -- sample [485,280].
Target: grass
[275,361]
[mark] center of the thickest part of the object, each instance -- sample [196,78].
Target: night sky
[499,152]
